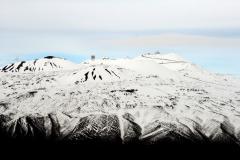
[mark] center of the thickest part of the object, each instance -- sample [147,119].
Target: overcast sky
[204,31]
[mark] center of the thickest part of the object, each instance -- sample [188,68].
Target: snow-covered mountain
[48,63]
[149,99]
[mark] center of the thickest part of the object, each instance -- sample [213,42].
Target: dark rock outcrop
[114,129]
[131,130]
[96,128]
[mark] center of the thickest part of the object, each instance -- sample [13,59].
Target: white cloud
[69,26]
[18,43]
[176,40]
[118,15]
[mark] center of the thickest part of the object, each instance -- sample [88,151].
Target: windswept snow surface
[148,99]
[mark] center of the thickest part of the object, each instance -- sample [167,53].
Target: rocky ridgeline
[49,63]
[114,129]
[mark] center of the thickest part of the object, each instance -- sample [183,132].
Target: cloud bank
[118,15]
[118,28]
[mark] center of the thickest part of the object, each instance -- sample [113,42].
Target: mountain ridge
[140,100]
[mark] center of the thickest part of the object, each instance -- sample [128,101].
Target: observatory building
[93,57]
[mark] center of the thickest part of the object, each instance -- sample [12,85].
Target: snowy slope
[141,66]
[124,100]
[49,63]
[192,71]
[96,73]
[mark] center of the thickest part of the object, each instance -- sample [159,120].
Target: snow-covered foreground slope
[142,100]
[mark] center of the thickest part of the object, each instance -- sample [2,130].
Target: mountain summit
[49,63]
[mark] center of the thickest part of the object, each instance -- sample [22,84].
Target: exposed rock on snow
[150,99]
[96,73]
[48,63]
